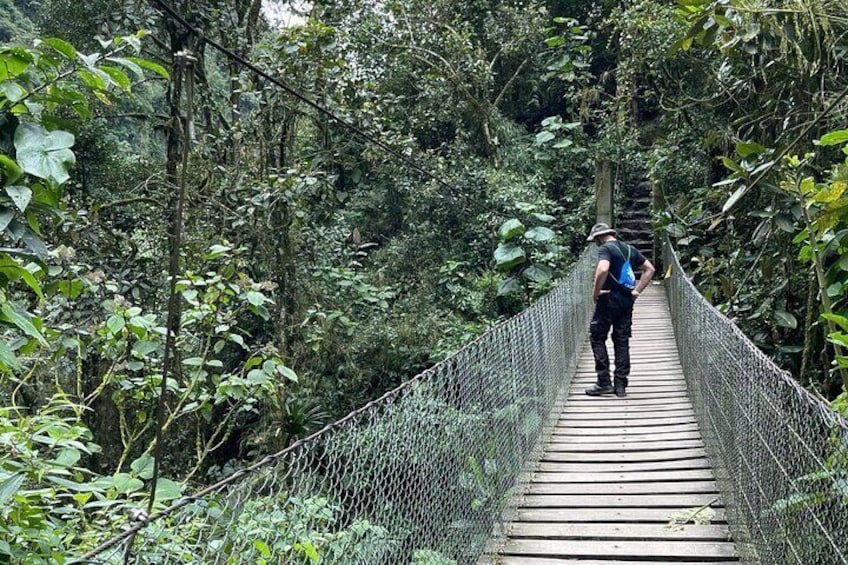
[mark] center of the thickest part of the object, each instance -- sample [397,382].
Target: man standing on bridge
[614,292]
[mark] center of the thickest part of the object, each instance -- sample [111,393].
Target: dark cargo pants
[613,310]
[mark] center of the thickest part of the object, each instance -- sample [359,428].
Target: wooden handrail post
[603,191]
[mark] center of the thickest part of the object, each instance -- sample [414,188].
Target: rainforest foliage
[170,221]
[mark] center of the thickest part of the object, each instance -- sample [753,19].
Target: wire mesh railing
[425,474]
[780,455]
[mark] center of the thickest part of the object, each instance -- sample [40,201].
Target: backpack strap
[626,259]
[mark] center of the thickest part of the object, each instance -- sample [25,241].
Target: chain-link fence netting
[425,474]
[780,455]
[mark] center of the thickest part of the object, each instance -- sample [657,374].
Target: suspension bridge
[495,455]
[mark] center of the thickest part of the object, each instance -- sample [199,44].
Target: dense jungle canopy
[171,221]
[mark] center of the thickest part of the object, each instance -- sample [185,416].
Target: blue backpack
[626,278]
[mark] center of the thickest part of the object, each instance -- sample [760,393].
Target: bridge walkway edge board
[616,472]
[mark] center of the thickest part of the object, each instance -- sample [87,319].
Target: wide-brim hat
[599,229]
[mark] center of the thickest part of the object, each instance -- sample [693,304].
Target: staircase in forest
[634,219]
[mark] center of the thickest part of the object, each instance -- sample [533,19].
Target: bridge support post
[603,191]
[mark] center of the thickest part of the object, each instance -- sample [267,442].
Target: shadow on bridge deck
[616,472]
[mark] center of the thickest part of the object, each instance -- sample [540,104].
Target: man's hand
[635,293]
[599,294]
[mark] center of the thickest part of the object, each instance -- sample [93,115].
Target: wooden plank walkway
[616,471]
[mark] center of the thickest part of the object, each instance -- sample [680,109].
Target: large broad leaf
[12,91]
[540,234]
[166,489]
[9,315]
[510,229]
[538,273]
[785,319]
[8,364]
[508,255]
[834,137]
[509,286]
[20,195]
[143,466]
[45,154]
[544,137]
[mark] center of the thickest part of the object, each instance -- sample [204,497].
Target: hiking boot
[599,390]
[619,387]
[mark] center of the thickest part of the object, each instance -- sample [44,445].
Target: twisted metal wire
[780,455]
[426,474]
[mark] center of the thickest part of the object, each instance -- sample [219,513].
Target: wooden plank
[627,457]
[628,422]
[634,396]
[625,430]
[664,487]
[628,515]
[594,408]
[522,560]
[558,466]
[623,447]
[669,549]
[618,437]
[618,500]
[567,530]
[619,414]
[670,476]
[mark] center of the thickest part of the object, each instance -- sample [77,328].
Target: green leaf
[784,319]
[63,47]
[508,255]
[166,489]
[563,143]
[10,485]
[545,218]
[216,251]
[538,273]
[745,150]
[125,483]
[150,66]
[68,457]
[118,77]
[9,169]
[256,298]
[840,321]
[22,322]
[6,217]
[45,154]
[540,234]
[263,548]
[14,61]
[193,361]
[143,467]
[834,138]
[734,198]
[133,67]
[732,165]
[8,362]
[543,137]
[287,373]
[20,195]
[510,229]
[13,91]
[507,286]
[144,348]
[116,323]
